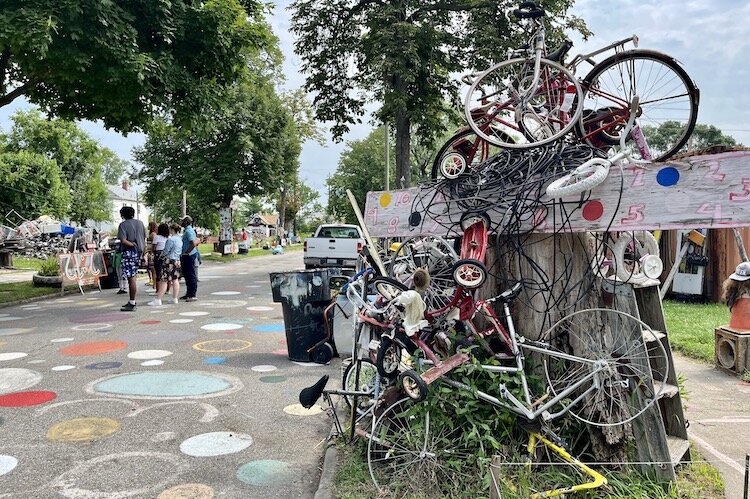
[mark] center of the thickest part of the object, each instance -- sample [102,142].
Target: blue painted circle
[668,176]
[265,472]
[214,360]
[269,328]
[163,384]
[104,365]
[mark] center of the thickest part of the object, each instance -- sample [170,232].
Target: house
[123,195]
[262,225]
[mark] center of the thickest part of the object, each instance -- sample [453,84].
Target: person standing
[149,255]
[188,258]
[132,235]
[169,269]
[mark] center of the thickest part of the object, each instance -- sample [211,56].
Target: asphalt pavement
[191,400]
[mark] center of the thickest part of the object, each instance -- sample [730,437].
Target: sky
[711,38]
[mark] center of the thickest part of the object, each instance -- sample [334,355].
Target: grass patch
[691,327]
[15,291]
[22,262]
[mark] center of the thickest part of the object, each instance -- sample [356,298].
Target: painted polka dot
[264,368]
[12,355]
[222,304]
[216,444]
[194,313]
[10,318]
[298,410]
[150,322]
[149,354]
[82,429]
[37,361]
[280,351]
[593,210]
[10,331]
[265,472]
[260,308]
[668,176]
[26,399]
[96,326]
[272,379]
[181,321]
[164,436]
[104,365]
[63,368]
[152,363]
[7,464]
[99,318]
[15,379]
[307,364]
[225,293]
[188,491]
[159,336]
[222,345]
[166,385]
[269,328]
[214,360]
[221,326]
[61,340]
[93,348]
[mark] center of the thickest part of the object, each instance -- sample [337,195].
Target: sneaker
[121,292]
[183,297]
[192,298]
[175,301]
[128,307]
[150,283]
[154,303]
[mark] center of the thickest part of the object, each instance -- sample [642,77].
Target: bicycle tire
[645,68]
[469,273]
[563,187]
[388,287]
[472,155]
[630,357]
[367,380]
[644,243]
[505,114]
[388,358]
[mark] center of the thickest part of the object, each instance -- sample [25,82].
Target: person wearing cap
[736,294]
[188,258]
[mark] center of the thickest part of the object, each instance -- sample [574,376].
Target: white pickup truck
[333,245]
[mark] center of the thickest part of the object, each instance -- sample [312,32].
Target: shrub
[49,267]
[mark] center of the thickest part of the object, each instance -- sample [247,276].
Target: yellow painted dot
[2,343]
[82,429]
[385,200]
[298,410]
[216,346]
[188,491]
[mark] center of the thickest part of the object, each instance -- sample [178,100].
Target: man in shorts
[132,235]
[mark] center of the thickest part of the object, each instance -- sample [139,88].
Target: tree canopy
[662,137]
[403,54]
[125,62]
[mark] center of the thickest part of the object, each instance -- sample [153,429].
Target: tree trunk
[403,144]
[282,212]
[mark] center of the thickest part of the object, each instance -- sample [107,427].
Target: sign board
[711,191]
[82,268]
[225,221]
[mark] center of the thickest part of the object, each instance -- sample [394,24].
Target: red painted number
[713,171]
[635,215]
[744,195]
[372,214]
[392,224]
[638,174]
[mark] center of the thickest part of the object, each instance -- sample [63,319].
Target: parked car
[333,245]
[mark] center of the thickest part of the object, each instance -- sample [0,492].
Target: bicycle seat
[528,10]
[508,295]
[308,396]
[560,52]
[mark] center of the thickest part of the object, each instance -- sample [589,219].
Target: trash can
[304,295]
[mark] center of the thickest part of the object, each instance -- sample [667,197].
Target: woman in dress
[170,266]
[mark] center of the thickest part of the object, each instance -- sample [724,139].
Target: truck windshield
[339,232]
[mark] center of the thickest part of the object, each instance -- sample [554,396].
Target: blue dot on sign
[269,328]
[215,360]
[668,176]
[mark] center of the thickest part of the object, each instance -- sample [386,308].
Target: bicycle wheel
[388,287]
[388,358]
[464,149]
[407,454]
[436,256]
[631,251]
[614,364]
[668,100]
[368,381]
[500,103]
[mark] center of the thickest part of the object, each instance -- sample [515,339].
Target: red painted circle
[593,210]
[26,399]
[93,348]
[280,351]
[231,332]
[150,322]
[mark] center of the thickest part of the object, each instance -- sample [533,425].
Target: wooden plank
[678,448]
[711,191]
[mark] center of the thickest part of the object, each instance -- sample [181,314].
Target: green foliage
[126,62]
[661,137]
[32,185]
[691,327]
[49,267]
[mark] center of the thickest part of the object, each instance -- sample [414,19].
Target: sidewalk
[16,275]
[718,412]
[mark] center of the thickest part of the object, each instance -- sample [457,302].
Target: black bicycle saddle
[308,396]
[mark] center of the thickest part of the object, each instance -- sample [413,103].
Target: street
[191,400]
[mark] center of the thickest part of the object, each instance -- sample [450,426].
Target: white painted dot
[225,293]
[15,379]
[4,315]
[254,286]
[221,326]
[150,363]
[156,312]
[12,355]
[10,318]
[260,308]
[181,321]
[61,340]
[64,300]
[31,307]
[307,364]
[97,326]
[149,354]
[196,313]
[7,464]
[216,444]
[63,368]
[164,436]
[264,368]
[37,361]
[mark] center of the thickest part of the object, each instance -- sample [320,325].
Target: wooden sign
[81,268]
[710,191]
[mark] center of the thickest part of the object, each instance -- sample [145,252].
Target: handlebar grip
[593,161]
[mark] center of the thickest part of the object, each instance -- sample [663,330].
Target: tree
[79,157]
[403,54]
[125,62]
[32,185]
[661,137]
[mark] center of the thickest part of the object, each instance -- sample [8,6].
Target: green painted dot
[264,472]
[272,379]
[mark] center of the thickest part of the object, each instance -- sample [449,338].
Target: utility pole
[183,204]
[387,159]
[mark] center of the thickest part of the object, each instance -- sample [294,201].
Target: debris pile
[39,238]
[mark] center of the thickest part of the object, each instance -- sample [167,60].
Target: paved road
[190,400]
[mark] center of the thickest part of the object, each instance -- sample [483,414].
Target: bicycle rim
[473,149]
[668,99]
[621,365]
[367,383]
[496,106]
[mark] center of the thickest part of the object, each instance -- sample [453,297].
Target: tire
[388,358]
[388,287]
[571,185]
[469,274]
[541,121]
[470,148]
[322,354]
[614,357]
[630,269]
[666,92]
[413,385]
[368,379]
[468,219]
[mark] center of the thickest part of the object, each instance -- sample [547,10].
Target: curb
[325,486]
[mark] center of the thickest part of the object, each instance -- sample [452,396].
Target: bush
[49,267]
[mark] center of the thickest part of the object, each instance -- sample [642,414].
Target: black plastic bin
[304,295]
